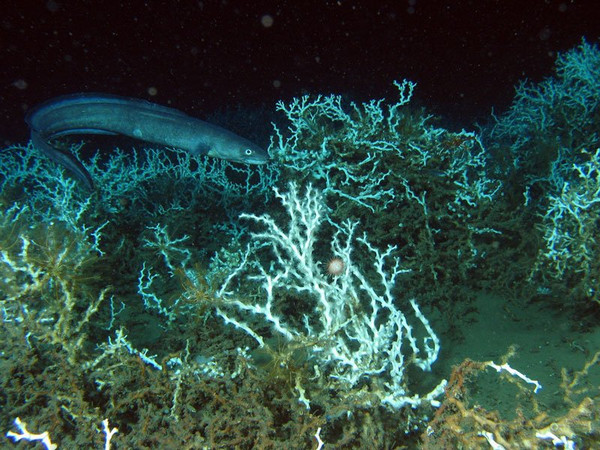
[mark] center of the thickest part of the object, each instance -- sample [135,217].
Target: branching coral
[50,274]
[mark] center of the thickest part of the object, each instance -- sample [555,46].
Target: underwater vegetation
[186,302]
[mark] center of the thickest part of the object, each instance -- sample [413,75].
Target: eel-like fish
[149,122]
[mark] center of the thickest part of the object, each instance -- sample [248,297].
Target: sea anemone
[335,266]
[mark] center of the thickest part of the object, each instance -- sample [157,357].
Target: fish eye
[248,152]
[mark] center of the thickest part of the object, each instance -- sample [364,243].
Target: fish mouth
[257,160]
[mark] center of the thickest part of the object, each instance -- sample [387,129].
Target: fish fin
[64,158]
